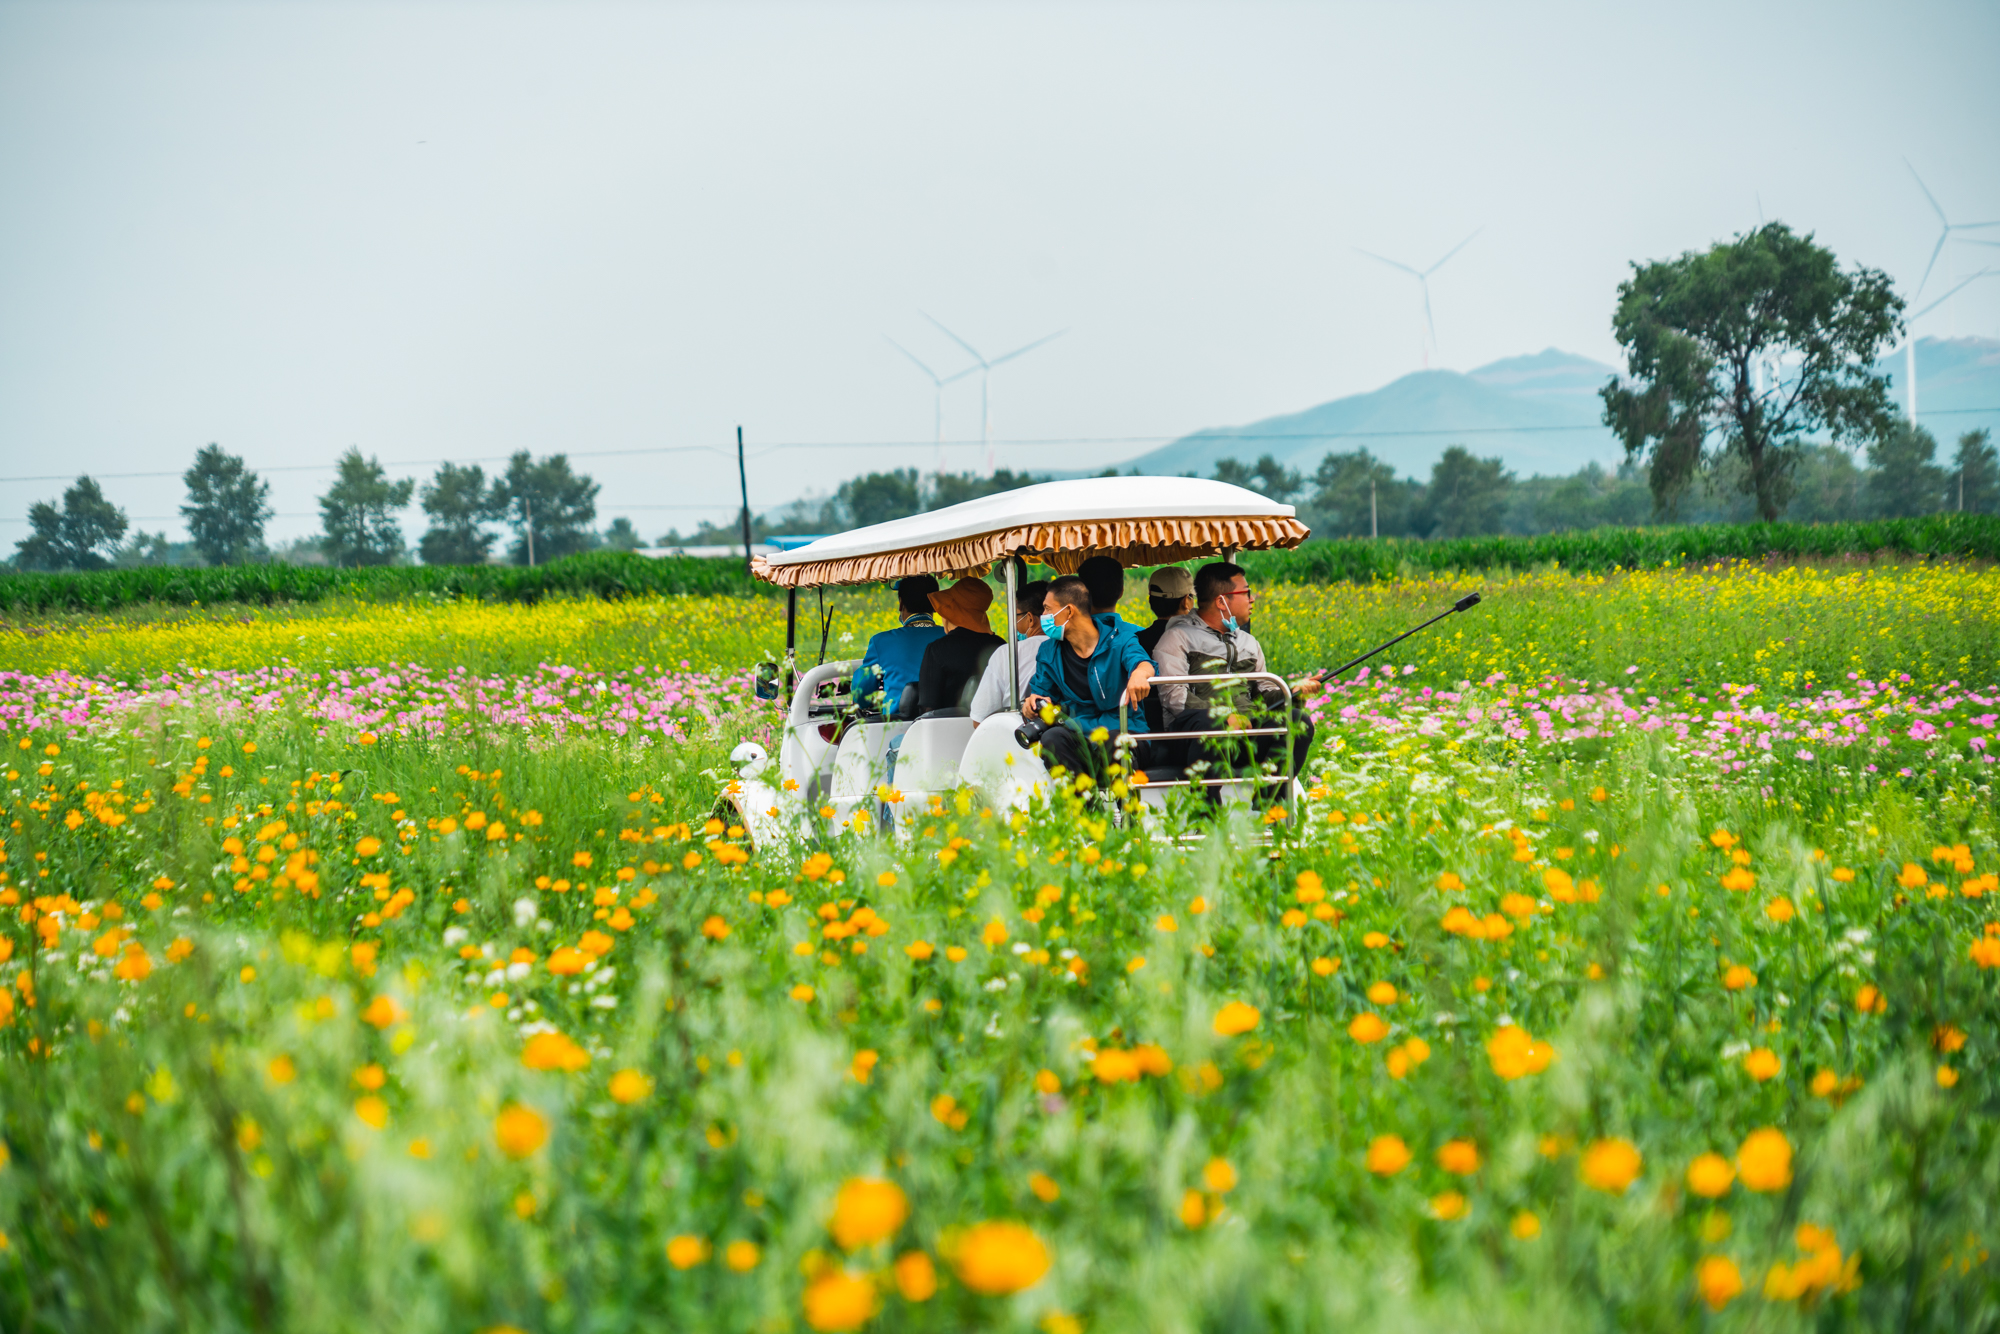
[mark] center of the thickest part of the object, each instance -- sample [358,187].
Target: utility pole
[743,485]
[1374,525]
[528,506]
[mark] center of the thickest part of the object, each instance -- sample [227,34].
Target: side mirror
[765,682]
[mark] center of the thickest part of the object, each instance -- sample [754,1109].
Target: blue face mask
[1229,624]
[1049,626]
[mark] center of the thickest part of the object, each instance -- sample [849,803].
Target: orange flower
[1219,1176]
[372,1110]
[566,961]
[1236,1018]
[554,1051]
[1387,1155]
[1764,1160]
[1710,1176]
[519,1131]
[742,1256]
[1718,1281]
[685,1252]
[1610,1165]
[1448,1205]
[916,1276]
[1986,951]
[867,1210]
[999,1258]
[1459,1157]
[839,1300]
[1382,993]
[1513,1053]
[629,1086]
[1736,977]
[1367,1027]
[1763,1064]
[383,1012]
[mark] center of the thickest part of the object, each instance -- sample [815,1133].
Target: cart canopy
[1138,521]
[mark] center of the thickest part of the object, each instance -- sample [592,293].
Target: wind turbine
[938,382]
[1910,347]
[1945,228]
[986,369]
[1423,278]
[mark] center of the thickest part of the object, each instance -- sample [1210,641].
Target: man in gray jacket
[1214,640]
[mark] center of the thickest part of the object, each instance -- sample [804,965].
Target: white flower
[455,935]
[517,971]
[525,911]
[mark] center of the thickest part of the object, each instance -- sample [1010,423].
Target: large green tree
[460,503]
[82,535]
[1358,495]
[1974,484]
[550,508]
[1904,480]
[1267,475]
[226,507]
[1467,496]
[359,513]
[1747,350]
[878,497]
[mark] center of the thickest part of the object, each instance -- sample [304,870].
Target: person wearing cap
[991,697]
[954,661]
[1171,593]
[894,657]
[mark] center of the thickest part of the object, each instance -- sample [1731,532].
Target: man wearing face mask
[1214,640]
[1086,666]
[991,696]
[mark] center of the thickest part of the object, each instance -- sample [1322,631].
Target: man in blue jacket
[895,657]
[1086,665]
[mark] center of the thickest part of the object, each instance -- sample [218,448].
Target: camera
[1034,729]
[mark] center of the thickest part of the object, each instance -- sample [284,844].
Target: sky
[458,230]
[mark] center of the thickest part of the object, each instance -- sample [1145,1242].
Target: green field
[1630,964]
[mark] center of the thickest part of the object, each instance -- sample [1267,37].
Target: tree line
[546,506]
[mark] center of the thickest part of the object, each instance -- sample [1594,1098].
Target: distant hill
[1539,414]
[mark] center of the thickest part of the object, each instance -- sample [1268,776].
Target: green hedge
[1965,536]
[605,574]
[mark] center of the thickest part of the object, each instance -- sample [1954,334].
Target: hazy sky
[458,230]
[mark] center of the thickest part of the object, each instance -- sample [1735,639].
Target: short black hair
[1029,597]
[913,593]
[1212,581]
[1072,590]
[1105,578]
[1167,606]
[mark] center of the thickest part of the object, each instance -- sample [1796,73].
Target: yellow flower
[1367,1027]
[1764,1160]
[1382,993]
[1525,1226]
[554,1051]
[372,1110]
[999,1258]
[1947,1077]
[916,1276]
[629,1086]
[685,1252]
[1387,1155]
[1718,1281]
[1044,1186]
[1236,1018]
[1448,1205]
[1450,882]
[1194,1209]
[1324,967]
[741,1256]
[519,1131]
[867,1210]
[1219,1176]
[839,1300]
[1610,1165]
[801,993]
[1763,1064]
[1710,1175]
[281,1070]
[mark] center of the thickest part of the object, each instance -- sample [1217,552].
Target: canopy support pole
[791,640]
[1013,616]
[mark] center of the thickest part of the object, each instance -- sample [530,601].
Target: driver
[1087,664]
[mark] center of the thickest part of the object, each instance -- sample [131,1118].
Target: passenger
[991,696]
[1215,640]
[1089,661]
[951,663]
[1171,593]
[895,657]
[1105,578]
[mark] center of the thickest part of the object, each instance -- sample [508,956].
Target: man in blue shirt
[1087,664]
[895,657]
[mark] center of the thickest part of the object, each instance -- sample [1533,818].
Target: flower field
[1633,962]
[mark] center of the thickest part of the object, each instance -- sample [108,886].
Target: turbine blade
[913,358]
[954,337]
[1430,329]
[1390,262]
[1983,273]
[1454,250]
[1937,207]
[1030,347]
[1936,250]
[1972,226]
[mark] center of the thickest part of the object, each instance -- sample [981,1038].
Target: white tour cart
[831,755]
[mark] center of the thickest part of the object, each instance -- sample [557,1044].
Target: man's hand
[1306,687]
[1141,684]
[1032,705]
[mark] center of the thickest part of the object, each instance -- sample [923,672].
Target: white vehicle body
[828,758]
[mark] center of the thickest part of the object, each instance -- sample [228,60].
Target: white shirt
[991,696]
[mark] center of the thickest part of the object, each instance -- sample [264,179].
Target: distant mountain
[1539,414]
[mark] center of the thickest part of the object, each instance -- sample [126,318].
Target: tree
[1701,331]
[879,497]
[1827,486]
[460,503]
[358,513]
[1974,484]
[81,535]
[952,488]
[1266,474]
[622,536]
[1358,495]
[550,508]
[226,508]
[144,548]
[1904,480]
[1466,496]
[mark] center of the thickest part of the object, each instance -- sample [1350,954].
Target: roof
[1140,521]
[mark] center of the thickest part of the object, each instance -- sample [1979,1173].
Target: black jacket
[950,664]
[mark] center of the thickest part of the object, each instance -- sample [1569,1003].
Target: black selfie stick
[1466,603]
